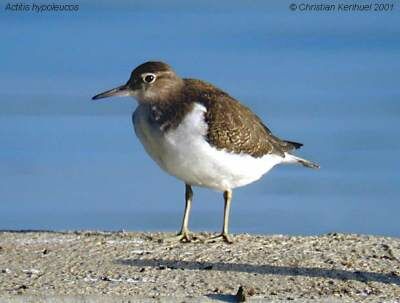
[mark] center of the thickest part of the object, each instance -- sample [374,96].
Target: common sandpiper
[201,135]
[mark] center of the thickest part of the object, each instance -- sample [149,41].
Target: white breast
[184,153]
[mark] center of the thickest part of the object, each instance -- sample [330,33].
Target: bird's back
[233,126]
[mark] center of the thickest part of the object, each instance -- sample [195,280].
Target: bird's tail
[289,158]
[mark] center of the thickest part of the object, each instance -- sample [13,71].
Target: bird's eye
[149,78]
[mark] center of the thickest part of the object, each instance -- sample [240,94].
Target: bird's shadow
[362,276]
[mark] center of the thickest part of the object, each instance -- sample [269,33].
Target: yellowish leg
[227,207]
[184,235]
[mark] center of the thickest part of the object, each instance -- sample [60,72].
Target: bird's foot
[184,237]
[223,236]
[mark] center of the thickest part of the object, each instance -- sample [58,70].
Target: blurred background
[327,79]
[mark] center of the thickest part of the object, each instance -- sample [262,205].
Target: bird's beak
[122,90]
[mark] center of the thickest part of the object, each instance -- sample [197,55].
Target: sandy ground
[138,267]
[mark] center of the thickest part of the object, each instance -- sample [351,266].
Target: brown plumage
[231,125]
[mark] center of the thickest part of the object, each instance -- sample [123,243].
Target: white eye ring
[149,77]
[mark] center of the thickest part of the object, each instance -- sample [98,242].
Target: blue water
[329,80]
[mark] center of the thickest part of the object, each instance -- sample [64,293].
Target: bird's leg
[227,207]
[184,235]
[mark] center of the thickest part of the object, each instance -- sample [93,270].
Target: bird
[201,135]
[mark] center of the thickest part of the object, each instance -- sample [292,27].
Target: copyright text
[342,7]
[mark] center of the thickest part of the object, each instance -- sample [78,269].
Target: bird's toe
[224,237]
[184,237]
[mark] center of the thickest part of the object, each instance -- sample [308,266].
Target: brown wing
[234,127]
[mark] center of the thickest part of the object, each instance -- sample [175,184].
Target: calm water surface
[329,80]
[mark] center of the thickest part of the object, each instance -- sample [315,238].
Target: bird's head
[150,82]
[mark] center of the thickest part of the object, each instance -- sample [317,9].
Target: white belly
[184,153]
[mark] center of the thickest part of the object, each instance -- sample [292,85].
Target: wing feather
[233,126]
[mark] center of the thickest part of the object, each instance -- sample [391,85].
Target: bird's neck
[169,113]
